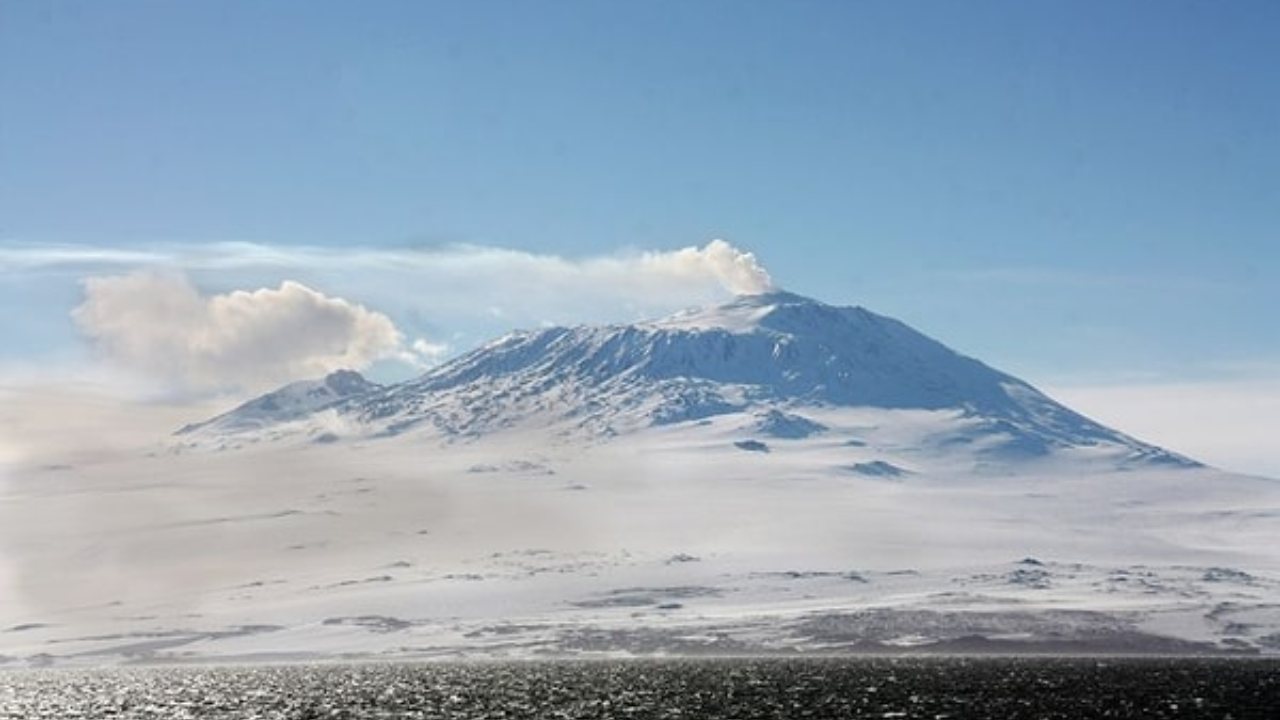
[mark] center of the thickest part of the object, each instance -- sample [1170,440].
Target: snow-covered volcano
[773,475]
[774,359]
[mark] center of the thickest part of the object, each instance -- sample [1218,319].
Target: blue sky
[1071,191]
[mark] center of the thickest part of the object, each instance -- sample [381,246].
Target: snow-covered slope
[670,540]
[758,354]
[773,475]
[291,402]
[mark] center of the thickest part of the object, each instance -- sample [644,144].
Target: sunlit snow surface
[772,476]
[675,542]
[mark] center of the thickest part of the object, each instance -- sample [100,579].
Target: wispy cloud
[718,262]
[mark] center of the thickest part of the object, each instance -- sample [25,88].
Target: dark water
[843,688]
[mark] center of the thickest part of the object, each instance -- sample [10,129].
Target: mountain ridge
[774,351]
[289,402]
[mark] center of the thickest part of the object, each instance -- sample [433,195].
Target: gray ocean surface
[723,688]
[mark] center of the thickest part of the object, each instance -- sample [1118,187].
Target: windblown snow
[773,475]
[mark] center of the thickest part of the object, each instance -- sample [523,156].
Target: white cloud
[717,264]
[465,293]
[160,325]
[1228,423]
[735,270]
